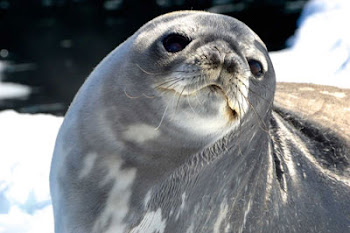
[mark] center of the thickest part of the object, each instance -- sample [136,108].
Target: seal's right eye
[256,68]
[174,43]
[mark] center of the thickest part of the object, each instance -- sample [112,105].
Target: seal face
[174,132]
[202,76]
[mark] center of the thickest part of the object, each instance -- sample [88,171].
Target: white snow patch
[12,90]
[320,51]
[335,94]
[26,147]
[18,221]
[306,89]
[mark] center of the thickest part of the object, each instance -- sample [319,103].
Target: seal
[175,131]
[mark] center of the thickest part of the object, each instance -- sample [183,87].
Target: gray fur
[150,145]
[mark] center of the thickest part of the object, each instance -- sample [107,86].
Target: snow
[320,48]
[27,143]
[12,90]
[319,52]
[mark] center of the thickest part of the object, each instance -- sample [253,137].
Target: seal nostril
[231,67]
[215,59]
[231,63]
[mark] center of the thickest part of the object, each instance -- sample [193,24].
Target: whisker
[178,100]
[188,100]
[256,83]
[161,120]
[147,96]
[129,96]
[172,71]
[167,81]
[250,90]
[196,92]
[145,71]
[239,126]
[171,85]
[173,79]
[256,113]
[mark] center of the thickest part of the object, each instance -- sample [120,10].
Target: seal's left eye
[174,43]
[256,68]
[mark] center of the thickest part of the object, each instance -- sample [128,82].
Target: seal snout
[227,76]
[223,59]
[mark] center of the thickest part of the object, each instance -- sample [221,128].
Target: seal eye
[174,43]
[256,68]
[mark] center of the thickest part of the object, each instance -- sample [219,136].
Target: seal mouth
[231,109]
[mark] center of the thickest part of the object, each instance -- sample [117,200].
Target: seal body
[174,131]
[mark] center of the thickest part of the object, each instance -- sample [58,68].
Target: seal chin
[231,108]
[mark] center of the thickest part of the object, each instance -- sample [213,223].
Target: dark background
[53,45]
